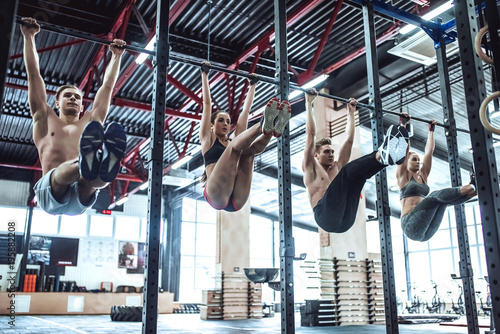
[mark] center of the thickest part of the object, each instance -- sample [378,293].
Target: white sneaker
[393,149]
[271,111]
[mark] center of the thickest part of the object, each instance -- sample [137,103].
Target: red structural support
[50,48]
[309,73]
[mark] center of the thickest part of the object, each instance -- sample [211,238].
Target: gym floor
[191,323]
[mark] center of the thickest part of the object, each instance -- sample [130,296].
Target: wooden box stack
[211,305]
[235,298]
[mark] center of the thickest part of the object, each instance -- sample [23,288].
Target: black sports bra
[214,153]
[413,188]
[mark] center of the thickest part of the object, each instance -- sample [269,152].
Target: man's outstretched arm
[346,147]
[310,148]
[36,87]
[103,97]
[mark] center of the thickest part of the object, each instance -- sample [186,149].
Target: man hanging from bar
[421,212]
[335,186]
[77,155]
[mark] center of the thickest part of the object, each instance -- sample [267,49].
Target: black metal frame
[171,244]
[383,209]
[287,247]
[151,274]
[482,144]
[8,10]
[456,181]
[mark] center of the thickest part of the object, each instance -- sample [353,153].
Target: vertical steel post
[8,10]
[383,209]
[172,245]
[456,181]
[482,145]
[151,278]
[287,248]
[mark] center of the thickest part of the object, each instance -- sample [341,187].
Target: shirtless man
[335,186]
[68,146]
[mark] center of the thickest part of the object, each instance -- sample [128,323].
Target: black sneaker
[90,142]
[393,149]
[115,144]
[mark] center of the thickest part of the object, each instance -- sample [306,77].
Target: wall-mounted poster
[127,255]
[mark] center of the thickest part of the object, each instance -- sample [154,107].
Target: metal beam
[485,163]
[287,246]
[456,181]
[8,9]
[383,209]
[151,277]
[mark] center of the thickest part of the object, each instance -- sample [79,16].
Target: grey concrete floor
[191,323]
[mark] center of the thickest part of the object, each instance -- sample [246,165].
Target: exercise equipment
[484,109]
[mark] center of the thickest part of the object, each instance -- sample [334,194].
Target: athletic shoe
[472,178]
[115,144]
[283,117]
[269,116]
[393,149]
[90,142]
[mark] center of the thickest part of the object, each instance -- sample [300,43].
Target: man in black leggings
[335,186]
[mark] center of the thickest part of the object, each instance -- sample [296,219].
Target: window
[74,225]
[101,226]
[197,249]
[12,215]
[44,223]
[127,228]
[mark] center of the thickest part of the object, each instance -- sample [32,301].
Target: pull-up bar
[272,81]
[81,35]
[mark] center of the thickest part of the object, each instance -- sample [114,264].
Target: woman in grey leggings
[421,214]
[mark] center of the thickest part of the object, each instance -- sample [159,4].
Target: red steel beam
[50,48]
[264,39]
[390,33]
[111,35]
[304,76]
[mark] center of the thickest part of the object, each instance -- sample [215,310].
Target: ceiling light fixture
[142,57]
[122,200]
[313,83]
[429,16]
[182,161]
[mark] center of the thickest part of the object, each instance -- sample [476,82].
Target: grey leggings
[424,220]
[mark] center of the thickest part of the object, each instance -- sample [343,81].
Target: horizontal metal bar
[81,35]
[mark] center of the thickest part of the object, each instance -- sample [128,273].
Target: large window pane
[186,285]
[419,269]
[205,239]
[12,215]
[127,228]
[74,225]
[417,245]
[440,240]
[205,272]
[188,209]
[43,223]
[205,213]
[188,238]
[101,226]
